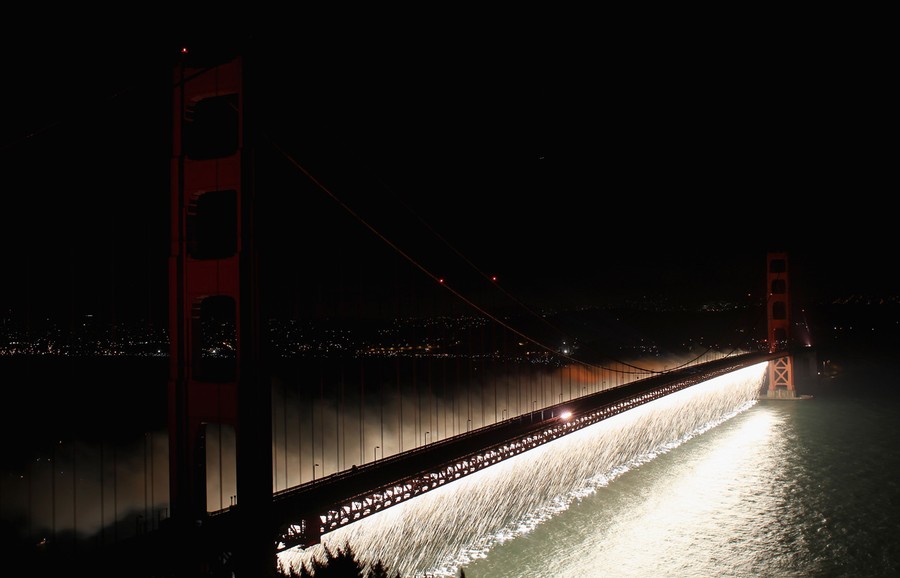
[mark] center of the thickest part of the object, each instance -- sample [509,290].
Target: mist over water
[452,526]
[94,467]
[330,416]
[85,449]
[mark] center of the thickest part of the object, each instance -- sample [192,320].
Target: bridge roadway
[306,512]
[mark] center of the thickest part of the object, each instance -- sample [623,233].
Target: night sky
[575,172]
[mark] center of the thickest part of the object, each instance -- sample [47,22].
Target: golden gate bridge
[211,105]
[257,467]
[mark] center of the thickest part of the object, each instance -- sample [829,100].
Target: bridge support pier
[781,382]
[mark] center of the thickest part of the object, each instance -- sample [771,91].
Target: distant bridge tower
[781,375]
[219,405]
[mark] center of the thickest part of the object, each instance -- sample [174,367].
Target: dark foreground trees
[342,563]
[339,563]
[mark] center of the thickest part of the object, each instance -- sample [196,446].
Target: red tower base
[781,380]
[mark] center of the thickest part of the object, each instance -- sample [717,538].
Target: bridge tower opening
[219,400]
[781,374]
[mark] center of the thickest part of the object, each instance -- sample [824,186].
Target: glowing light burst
[440,531]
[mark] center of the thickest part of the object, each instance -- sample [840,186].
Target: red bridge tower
[781,375]
[219,400]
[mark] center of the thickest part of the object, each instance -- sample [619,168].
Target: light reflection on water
[660,519]
[787,488]
[465,523]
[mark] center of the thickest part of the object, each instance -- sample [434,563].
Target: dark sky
[575,170]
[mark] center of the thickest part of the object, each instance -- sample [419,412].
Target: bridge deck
[306,512]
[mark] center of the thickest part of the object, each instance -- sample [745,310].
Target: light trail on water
[441,531]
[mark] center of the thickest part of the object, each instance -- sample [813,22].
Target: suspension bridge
[261,461]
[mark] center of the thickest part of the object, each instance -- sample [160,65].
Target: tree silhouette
[378,570]
[339,563]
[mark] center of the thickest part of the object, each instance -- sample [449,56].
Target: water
[778,488]
[803,488]
[787,488]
